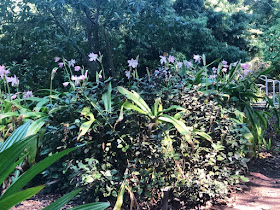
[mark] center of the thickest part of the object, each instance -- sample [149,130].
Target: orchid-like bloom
[133,63]
[197,58]
[65,84]
[92,56]
[3,72]
[14,80]
[100,76]
[156,72]
[213,76]
[224,70]
[171,59]
[77,68]
[86,73]
[14,96]
[60,64]
[162,59]
[214,69]
[56,59]
[28,94]
[188,64]
[235,64]
[179,65]
[247,71]
[78,79]
[224,62]
[72,62]
[245,66]
[127,74]
[2,68]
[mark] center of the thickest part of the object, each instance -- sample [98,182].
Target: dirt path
[263,190]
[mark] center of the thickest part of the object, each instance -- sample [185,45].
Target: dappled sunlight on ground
[263,190]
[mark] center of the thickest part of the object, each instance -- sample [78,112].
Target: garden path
[263,190]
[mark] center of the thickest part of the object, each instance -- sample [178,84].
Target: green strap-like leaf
[8,114]
[35,126]
[16,136]
[119,202]
[86,125]
[106,97]
[174,107]
[203,135]
[128,105]
[92,206]
[180,126]
[136,98]
[33,171]
[9,156]
[18,197]
[63,200]
[10,170]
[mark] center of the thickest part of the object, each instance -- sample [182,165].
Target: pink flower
[197,58]
[77,68]
[214,69]
[60,64]
[78,79]
[213,76]
[72,62]
[3,72]
[245,66]
[27,94]
[171,59]
[14,80]
[224,62]
[133,63]
[14,96]
[54,71]
[127,74]
[65,84]
[92,56]
[180,65]
[56,59]
[235,64]
[188,64]
[100,76]
[224,70]
[2,68]
[162,59]
[86,73]
[246,72]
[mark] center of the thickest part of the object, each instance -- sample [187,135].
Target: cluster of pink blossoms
[171,59]
[76,79]
[132,63]
[14,82]
[3,74]
[225,66]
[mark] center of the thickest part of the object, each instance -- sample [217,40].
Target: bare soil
[262,192]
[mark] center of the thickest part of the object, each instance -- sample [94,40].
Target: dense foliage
[143,134]
[127,28]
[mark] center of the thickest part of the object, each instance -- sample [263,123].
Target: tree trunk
[109,53]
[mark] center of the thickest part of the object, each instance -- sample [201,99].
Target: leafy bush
[136,145]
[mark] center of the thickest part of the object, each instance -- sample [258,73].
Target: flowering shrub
[138,148]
